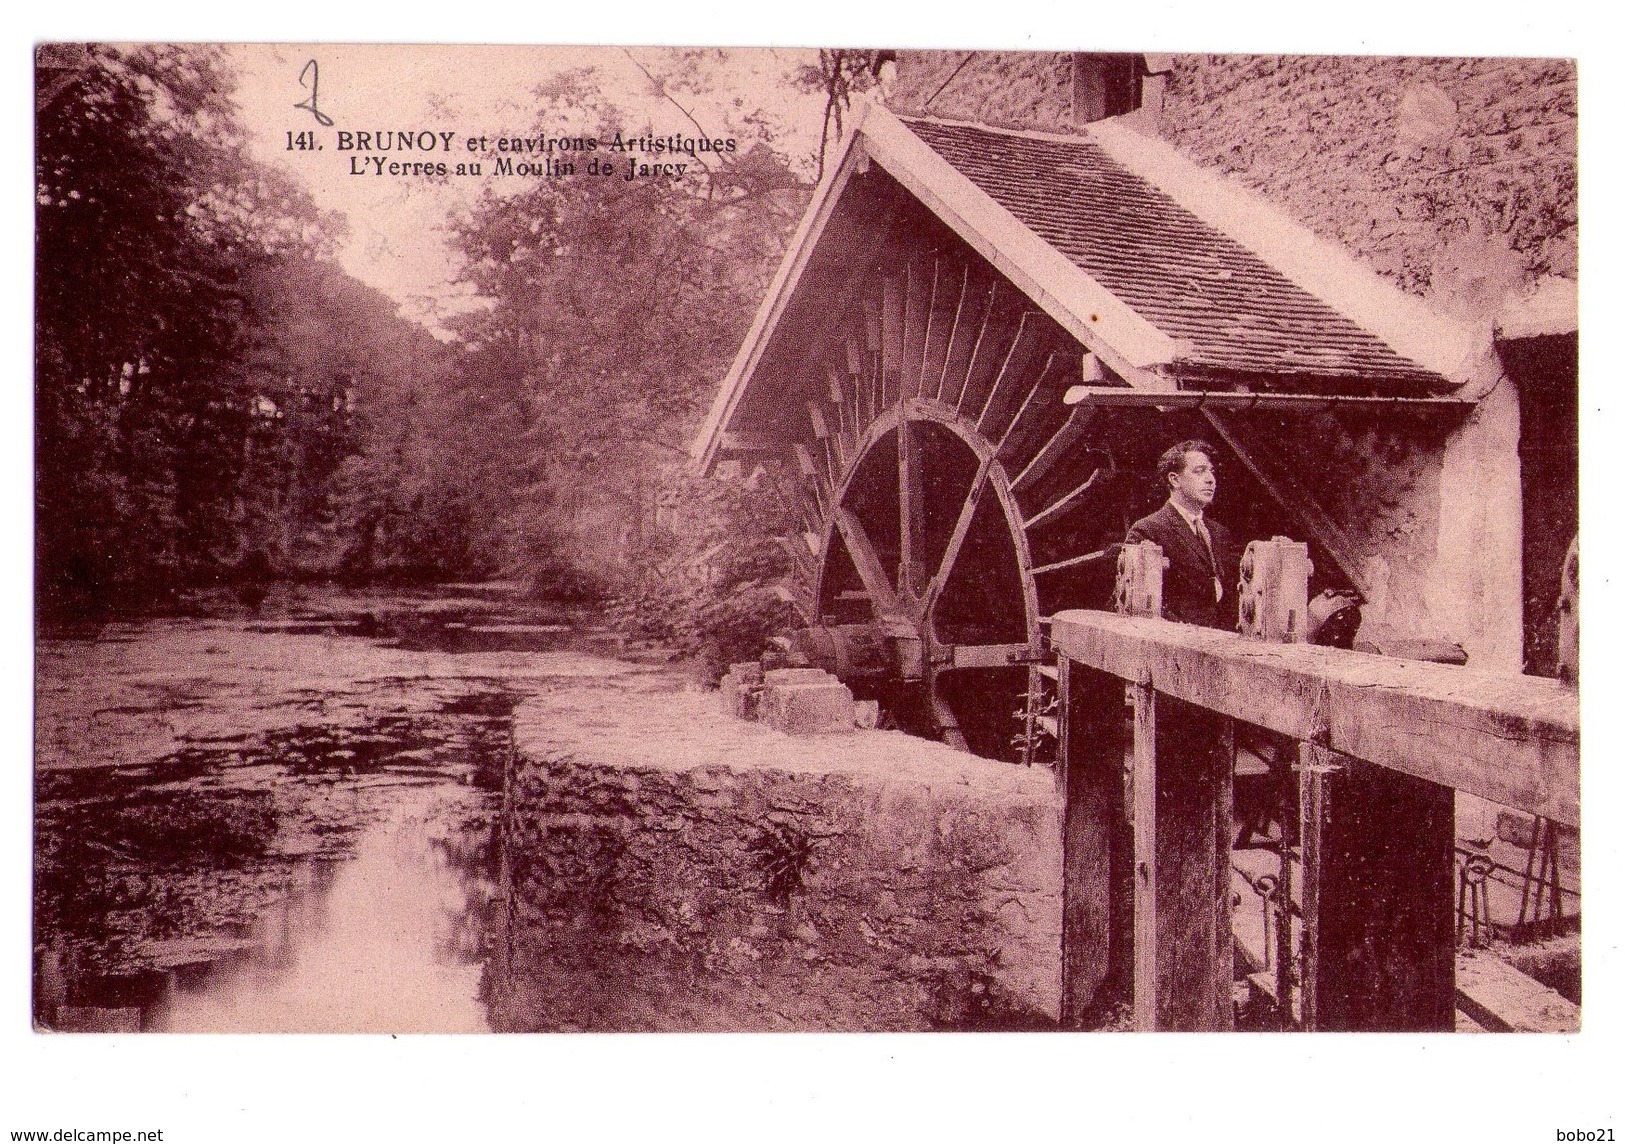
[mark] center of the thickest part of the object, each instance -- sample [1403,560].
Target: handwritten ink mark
[310,104]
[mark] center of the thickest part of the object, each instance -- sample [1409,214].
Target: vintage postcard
[634,539]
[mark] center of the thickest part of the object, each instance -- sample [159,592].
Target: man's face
[1195,484]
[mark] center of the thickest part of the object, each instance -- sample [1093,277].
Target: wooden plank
[891,338]
[970,324]
[1511,739]
[1313,765]
[1143,783]
[987,655]
[1014,380]
[1097,909]
[1383,957]
[947,300]
[918,281]
[911,573]
[1190,873]
[741,442]
[862,364]
[1226,400]
[1221,774]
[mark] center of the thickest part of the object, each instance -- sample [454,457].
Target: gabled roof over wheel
[1175,281]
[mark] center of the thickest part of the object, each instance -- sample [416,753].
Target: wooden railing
[1382,744]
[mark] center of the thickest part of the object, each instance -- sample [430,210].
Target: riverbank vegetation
[218,404]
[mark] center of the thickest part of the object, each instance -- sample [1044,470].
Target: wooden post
[1183,946]
[1180,785]
[1378,914]
[1143,784]
[1097,904]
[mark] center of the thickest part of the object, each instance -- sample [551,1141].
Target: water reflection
[389,941]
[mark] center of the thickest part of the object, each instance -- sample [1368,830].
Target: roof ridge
[1081,136]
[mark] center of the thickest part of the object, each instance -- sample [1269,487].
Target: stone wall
[1030,90]
[1454,178]
[674,869]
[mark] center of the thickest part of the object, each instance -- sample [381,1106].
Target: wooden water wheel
[934,456]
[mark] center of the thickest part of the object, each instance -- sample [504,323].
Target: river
[280,820]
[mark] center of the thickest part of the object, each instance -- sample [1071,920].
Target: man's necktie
[1212,560]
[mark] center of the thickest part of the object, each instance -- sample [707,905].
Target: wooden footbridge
[1382,745]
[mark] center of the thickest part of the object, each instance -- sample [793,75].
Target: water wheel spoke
[882,596]
[1024,347]
[1064,502]
[947,296]
[1055,448]
[911,508]
[1010,440]
[981,358]
[970,318]
[956,539]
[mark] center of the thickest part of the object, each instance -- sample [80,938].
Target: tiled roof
[1235,312]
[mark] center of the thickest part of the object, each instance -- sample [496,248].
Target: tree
[616,304]
[148,216]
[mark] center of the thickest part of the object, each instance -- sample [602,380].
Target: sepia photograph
[737,540]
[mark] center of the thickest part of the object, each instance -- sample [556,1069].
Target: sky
[396,226]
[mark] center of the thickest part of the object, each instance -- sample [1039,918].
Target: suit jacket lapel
[1187,536]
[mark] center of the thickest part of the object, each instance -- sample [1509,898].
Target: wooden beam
[947,298]
[1050,453]
[1379,924]
[916,315]
[1297,501]
[1097,905]
[980,348]
[1221,401]
[956,539]
[965,312]
[1512,739]
[736,441]
[1036,395]
[1038,518]
[1015,369]
[873,574]
[1143,784]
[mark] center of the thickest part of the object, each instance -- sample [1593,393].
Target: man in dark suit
[1199,583]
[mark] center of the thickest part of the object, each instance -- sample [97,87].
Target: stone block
[809,708]
[781,676]
[741,690]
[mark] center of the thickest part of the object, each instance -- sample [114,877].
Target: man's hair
[1172,462]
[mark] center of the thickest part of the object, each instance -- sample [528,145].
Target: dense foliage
[616,306]
[218,402]
[199,360]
